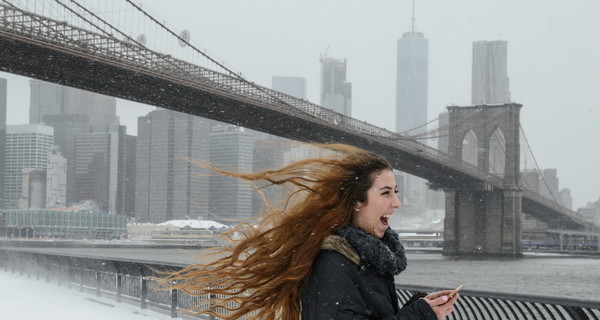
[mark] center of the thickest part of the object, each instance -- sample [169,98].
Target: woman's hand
[440,303]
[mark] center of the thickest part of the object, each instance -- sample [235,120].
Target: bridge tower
[481,219]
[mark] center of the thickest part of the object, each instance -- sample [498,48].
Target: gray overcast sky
[553,61]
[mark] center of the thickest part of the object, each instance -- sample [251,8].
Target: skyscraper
[336,93]
[550,184]
[231,148]
[489,82]
[27,147]
[3,96]
[54,99]
[92,169]
[66,128]
[411,82]
[294,86]
[166,185]
[412,65]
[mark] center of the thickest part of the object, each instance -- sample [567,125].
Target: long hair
[261,275]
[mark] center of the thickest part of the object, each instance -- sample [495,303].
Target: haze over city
[552,64]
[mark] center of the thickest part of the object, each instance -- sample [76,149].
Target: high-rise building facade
[92,169]
[294,86]
[489,82]
[56,179]
[3,102]
[530,179]
[231,148]
[550,184]
[336,92]
[167,186]
[412,65]
[66,128]
[53,99]
[33,189]
[27,147]
[126,200]
[102,167]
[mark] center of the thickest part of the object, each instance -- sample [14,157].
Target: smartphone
[455,291]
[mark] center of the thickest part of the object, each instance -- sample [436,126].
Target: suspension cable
[536,165]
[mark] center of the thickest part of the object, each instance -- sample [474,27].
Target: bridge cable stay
[433,131]
[254,90]
[162,25]
[420,126]
[429,134]
[114,28]
[426,135]
[536,165]
[221,65]
[95,16]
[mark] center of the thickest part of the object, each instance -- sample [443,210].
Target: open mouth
[384,219]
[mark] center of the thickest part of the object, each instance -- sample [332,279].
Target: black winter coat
[340,288]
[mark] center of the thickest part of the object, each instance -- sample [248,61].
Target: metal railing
[130,282]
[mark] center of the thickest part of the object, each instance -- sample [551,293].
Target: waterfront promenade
[546,275]
[25,298]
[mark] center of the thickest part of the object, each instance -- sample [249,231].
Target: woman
[328,253]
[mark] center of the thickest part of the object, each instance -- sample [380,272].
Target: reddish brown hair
[261,275]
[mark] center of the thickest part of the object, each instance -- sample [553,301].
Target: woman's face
[373,214]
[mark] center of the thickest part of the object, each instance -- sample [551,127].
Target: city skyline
[538,81]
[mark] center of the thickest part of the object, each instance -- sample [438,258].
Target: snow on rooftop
[194,224]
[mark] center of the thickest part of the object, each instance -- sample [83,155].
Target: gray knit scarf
[385,255]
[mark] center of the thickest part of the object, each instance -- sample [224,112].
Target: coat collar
[384,256]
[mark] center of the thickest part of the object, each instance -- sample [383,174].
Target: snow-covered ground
[23,298]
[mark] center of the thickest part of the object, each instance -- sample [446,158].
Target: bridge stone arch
[497,153]
[483,220]
[469,148]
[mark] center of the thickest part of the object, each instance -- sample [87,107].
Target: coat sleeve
[417,309]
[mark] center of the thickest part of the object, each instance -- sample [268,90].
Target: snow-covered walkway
[23,298]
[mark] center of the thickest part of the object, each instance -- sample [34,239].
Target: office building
[591,212]
[92,169]
[530,179]
[56,179]
[489,82]
[66,128]
[27,147]
[54,99]
[412,64]
[167,186]
[120,160]
[126,201]
[3,102]
[550,185]
[336,92]
[231,148]
[293,86]
[565,198]
[33,189]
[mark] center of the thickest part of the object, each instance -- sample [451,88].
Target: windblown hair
[261,275]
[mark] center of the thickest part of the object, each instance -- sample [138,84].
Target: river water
[547,275]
